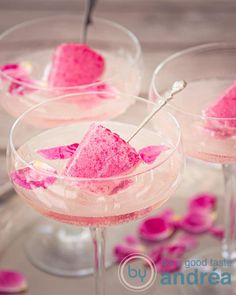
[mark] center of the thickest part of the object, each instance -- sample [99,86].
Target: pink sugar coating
[225,106]
[75,64]
[102,153]
[58,152]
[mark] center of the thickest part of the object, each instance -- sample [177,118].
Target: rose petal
[131,240]
[168,214]
[58,152]
[155,229]
[12,282]
[197,222]
[20,74]
[104,89]
[156,254]
[180,246]
[168,264]
[202,202]
[121,251]
[165,259]
[188,241]
[19,88]
[150,153]
[12,70]
[217,232]
[29,178]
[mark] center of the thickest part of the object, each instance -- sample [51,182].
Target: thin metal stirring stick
[90,4]
[168,96]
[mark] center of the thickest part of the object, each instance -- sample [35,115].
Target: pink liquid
[69,203]
[197,141]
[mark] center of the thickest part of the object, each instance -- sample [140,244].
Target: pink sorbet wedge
[100,154]
[224,107]
[75,64]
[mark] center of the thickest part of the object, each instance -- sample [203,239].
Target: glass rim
[182,53]
[14,150]
[111,23]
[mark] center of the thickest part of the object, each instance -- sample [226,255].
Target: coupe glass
[209,70]
[80,201]
[53,248]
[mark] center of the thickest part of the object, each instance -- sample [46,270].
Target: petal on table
[156,229]
[121,251]
[58,152]
[204,201]
[168,264]
[197,222]
[217,232]
[12,282]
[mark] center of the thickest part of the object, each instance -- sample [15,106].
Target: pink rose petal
[95,95]
[155,229]
[203,201]
[17,88]
[58,152]
[121,251]
[169,264]
[217,232]
[103,87]
[181,245]
[12,282]
[20,74]
[12,70]
[167,214]
[29,178]
[156,254]
[188,241]
[164,260]
[197,222]
[131,240]
[150,153]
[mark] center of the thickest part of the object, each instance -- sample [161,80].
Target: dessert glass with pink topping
[87,174]
[43,59]
[206,111]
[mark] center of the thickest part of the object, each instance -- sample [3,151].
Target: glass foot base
[214,275]
[63,251]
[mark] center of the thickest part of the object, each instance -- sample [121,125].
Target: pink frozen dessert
[102,154]
[75,64]
[100,164]
[224,109]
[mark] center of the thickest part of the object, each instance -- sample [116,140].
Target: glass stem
[98,236]
[229,243]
